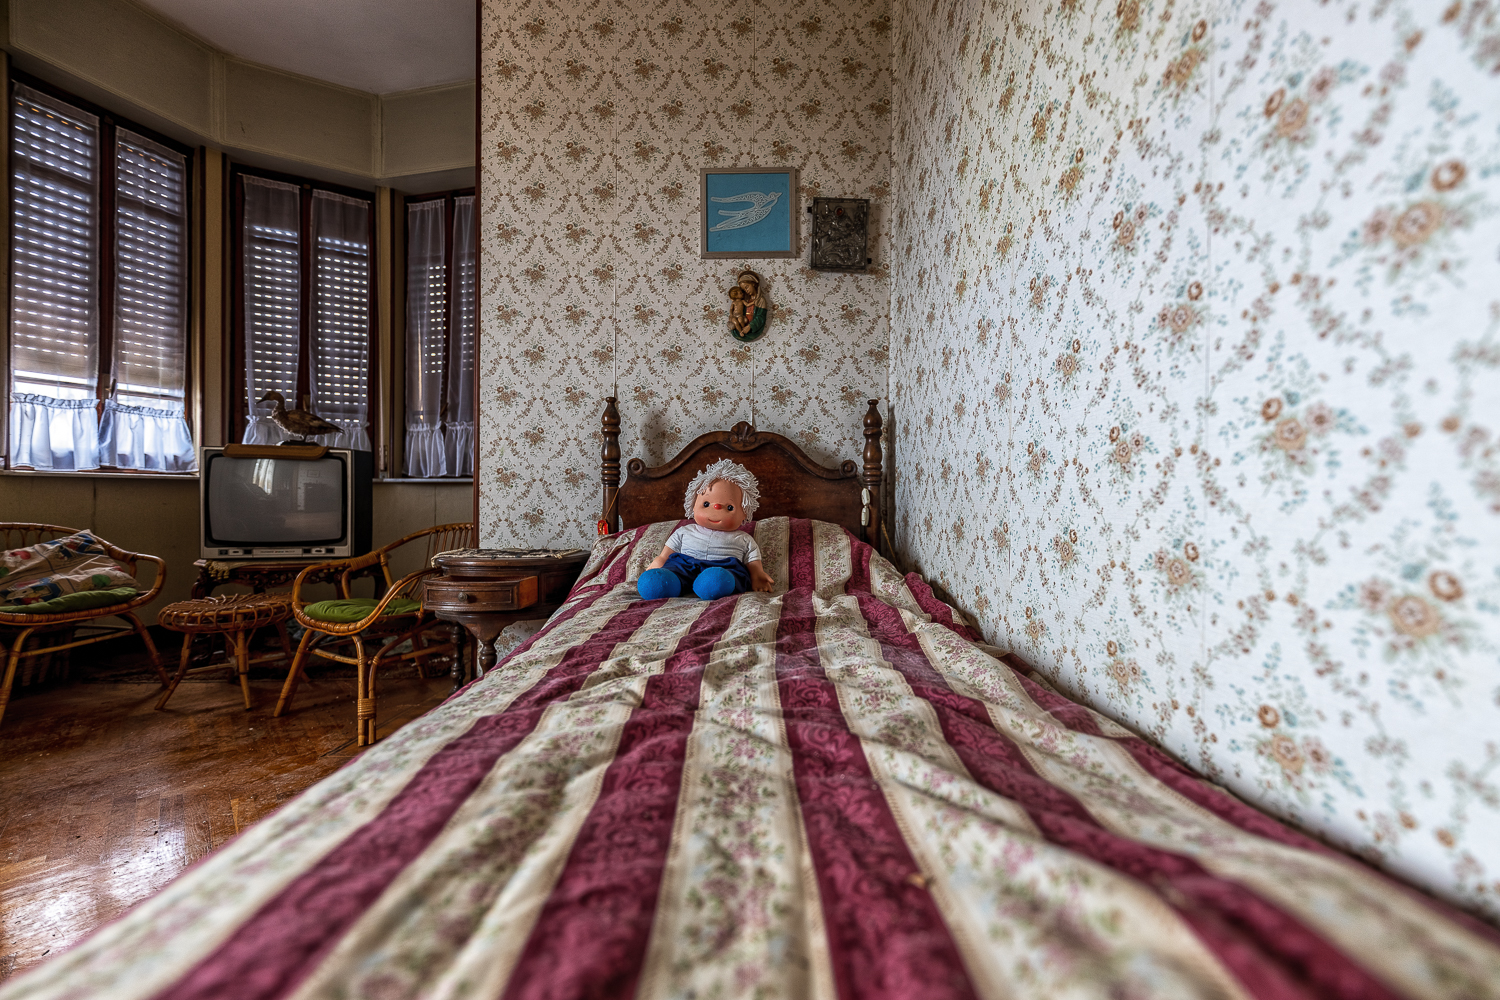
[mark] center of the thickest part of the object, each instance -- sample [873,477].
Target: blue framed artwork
[749,212]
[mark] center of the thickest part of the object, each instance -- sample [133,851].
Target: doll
[711,556]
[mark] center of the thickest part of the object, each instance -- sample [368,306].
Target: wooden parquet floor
[103,800]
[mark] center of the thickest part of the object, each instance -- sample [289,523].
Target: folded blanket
[62,566]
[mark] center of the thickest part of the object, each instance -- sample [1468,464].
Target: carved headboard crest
[792,484]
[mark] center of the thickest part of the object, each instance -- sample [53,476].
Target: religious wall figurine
[747,310]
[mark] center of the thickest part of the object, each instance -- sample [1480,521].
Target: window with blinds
[54,278]
[150,330]
[98,291]
[341,313]
[440,313]
[305,323]
[271,297]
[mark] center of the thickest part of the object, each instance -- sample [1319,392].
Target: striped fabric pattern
[834,790]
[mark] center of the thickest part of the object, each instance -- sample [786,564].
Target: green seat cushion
[350,610]
[79,600]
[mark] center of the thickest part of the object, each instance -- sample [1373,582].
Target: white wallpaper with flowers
[1194,309]
[595,119]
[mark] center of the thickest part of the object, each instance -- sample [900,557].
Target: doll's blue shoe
[714,583]
[654,584]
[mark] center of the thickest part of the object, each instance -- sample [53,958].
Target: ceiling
[379,46]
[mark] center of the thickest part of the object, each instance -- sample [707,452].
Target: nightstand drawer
[458,595]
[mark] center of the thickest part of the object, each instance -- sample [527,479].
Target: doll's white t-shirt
[710,545]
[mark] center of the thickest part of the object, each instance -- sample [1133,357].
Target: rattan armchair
[387,620]
[18,629]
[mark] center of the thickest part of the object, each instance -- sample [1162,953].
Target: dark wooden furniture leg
[460,671]
[487,655]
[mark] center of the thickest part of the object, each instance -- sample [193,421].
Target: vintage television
[285,508]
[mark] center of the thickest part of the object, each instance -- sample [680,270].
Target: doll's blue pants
[710,579]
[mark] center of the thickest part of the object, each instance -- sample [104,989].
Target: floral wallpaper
[1192,309]
[594,122]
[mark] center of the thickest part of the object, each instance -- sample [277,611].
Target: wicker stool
[236,616]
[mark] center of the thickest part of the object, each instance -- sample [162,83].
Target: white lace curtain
[341,317]
[440,339]
[458,437]
[426,293]
[272,301]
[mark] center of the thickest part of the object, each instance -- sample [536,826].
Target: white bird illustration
[761,205]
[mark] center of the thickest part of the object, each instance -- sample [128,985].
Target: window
[98,291]
[440,286]
[304,315]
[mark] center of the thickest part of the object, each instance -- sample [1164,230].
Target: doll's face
[750,288]
[718,508]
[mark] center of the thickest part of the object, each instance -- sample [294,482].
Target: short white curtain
[272,301]
[426,283]
[145,437]
[459,430]
[54,435]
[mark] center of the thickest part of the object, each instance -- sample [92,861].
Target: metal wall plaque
[840,234]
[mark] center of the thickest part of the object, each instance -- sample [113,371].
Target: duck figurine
[298,423]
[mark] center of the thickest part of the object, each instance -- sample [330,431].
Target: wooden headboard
[791,484]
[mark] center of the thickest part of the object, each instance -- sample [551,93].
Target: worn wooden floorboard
[104,800]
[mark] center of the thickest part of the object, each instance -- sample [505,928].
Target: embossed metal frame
[817,233]
[793,210]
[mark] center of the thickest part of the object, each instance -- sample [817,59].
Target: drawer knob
[465,597]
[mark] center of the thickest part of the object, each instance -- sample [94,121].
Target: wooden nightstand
[484,590]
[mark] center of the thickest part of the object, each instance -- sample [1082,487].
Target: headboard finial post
[610,466]
[872,475]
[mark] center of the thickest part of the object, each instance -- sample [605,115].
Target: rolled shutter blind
[150,338]
[272,299]
[54,281]
[341,315]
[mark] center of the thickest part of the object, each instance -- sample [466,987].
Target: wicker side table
[235,616]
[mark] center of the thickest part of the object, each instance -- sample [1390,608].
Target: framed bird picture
[749,212]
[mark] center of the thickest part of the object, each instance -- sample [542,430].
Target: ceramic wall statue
[747,309]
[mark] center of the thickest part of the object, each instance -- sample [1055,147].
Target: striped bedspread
[826,791]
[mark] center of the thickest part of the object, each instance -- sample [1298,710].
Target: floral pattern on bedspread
[830,790]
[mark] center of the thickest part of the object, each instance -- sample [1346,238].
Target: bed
[835,789]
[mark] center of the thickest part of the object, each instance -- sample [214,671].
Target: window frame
[109,124]
[450,277]
[236,403]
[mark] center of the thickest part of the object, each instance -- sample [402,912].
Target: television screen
[264,501]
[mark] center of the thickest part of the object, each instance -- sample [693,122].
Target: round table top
[226,612]
[519,558]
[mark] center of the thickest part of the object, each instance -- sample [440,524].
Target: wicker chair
[386,620]
[18,629]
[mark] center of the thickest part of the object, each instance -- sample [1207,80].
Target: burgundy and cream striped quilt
[829,791]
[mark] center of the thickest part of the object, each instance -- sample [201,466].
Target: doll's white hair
[730,472]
